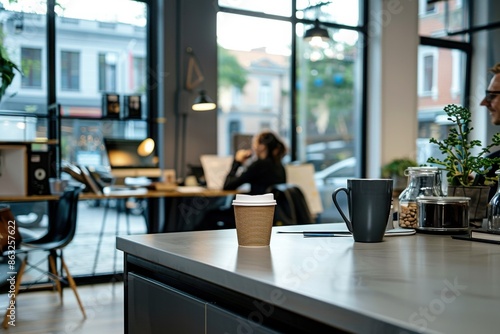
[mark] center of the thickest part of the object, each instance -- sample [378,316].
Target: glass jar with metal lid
[422,181]
[443,214]
[494,209]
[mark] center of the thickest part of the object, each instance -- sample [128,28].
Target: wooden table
[149,194]
[170,197]
[154,224]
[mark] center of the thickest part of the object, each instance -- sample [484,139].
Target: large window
[255,60]
[315,105]
[440,18]
[328,98]
[254,76]
[442,70]
[110,59]
[91,46]
[23,39]
[88,58]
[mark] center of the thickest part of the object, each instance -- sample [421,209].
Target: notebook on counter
[481,235]
[124,190]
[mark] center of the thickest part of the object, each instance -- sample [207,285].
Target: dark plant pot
[478,205]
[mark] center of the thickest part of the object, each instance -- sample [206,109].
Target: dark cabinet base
[156,308]
[162,300]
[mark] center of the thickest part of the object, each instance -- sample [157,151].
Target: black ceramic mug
[369,203]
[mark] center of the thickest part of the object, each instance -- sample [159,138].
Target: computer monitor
[126,160]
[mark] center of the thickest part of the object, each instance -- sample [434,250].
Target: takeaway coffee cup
[369,202]
[254,216]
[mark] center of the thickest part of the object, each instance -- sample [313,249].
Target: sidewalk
[81,254]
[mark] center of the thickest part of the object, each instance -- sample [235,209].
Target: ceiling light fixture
[194,78]
[203,102]
[316,34]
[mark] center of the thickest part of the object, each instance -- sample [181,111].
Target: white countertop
[429,283]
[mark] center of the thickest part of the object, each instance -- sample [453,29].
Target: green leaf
[7,72]
[459,163]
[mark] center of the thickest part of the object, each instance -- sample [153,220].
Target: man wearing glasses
[492,99]
[492,102]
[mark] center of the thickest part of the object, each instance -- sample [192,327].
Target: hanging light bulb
[316,34]
[203,102]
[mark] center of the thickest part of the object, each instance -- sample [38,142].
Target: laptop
[125,160]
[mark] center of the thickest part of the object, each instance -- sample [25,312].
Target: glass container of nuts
[422,181]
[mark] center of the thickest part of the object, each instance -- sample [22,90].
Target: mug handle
[334,198]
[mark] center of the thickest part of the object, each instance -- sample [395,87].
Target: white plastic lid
[254,200]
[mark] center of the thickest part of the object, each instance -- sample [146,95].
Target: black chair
[291,205]
[59,235]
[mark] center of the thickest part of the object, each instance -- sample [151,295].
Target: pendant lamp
[194,78]
[316,33]
[203,102]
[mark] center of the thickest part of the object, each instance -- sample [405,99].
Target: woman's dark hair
[276,150]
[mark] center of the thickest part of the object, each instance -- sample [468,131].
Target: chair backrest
[64,225]
[291,205]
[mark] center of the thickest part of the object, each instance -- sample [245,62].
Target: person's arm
[251,174]
[232,181]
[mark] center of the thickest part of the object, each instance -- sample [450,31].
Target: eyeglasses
[490,95]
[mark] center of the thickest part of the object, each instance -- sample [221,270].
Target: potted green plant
[395,169]
[464,165]
[7,71]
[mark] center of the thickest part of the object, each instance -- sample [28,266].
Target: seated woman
[266,170]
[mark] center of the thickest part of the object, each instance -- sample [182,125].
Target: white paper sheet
[215,169]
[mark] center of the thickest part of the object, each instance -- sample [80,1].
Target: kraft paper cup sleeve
[254,224]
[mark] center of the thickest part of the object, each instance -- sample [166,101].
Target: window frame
[362,29]
[463,46]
